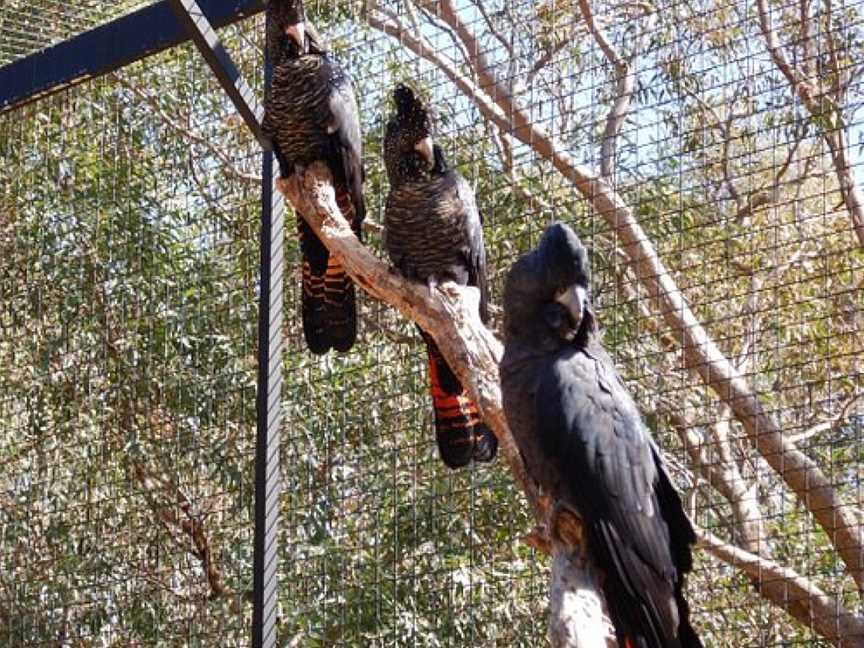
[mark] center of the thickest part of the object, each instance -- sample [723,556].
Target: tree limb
[188,523]
[490,25]
[789,590]
[831,424]
[545,59]
[188,134]
[626,85]
[825,105]
[723,475]
[701,354]
[576,609]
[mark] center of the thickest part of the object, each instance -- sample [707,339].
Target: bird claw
[449,288]
[566,525]
[538,539]
[282,185]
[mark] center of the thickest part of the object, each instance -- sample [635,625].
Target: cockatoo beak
[426,148]
[573,299]
[297,33]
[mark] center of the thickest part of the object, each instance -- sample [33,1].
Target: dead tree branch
[449,313]
[174,510]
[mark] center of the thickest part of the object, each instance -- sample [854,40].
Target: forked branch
[824,101]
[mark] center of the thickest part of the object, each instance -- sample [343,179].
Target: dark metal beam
[198,26]
[107,48]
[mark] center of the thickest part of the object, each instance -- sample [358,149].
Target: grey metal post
[267,478]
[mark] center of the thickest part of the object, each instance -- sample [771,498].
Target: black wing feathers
[610,473]
[475,257]
[344,124]
[585,444]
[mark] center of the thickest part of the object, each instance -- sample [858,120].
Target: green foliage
[128,286]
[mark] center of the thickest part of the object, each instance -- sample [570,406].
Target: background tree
[668,135]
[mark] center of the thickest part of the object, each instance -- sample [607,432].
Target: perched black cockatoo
[584,443]
[433,233]
[311,115]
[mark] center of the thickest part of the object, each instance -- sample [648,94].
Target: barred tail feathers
[329,303]
[460,432]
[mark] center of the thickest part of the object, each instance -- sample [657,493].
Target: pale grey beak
[573,299]
[426,148]
[297,33]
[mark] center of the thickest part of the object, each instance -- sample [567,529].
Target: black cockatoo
[584,443]
[433,233]
[311,115]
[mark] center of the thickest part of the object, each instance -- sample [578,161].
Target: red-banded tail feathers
[459,430]
[328,304]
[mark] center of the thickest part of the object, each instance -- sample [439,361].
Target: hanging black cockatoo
[433,233]
[311,115]
[584,443]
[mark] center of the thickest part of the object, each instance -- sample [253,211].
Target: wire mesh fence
[129,209]
[30,27]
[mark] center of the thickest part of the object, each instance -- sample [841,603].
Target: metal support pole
[269,402]
[267,477]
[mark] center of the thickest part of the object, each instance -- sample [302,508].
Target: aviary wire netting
[29,27]
[129,212]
